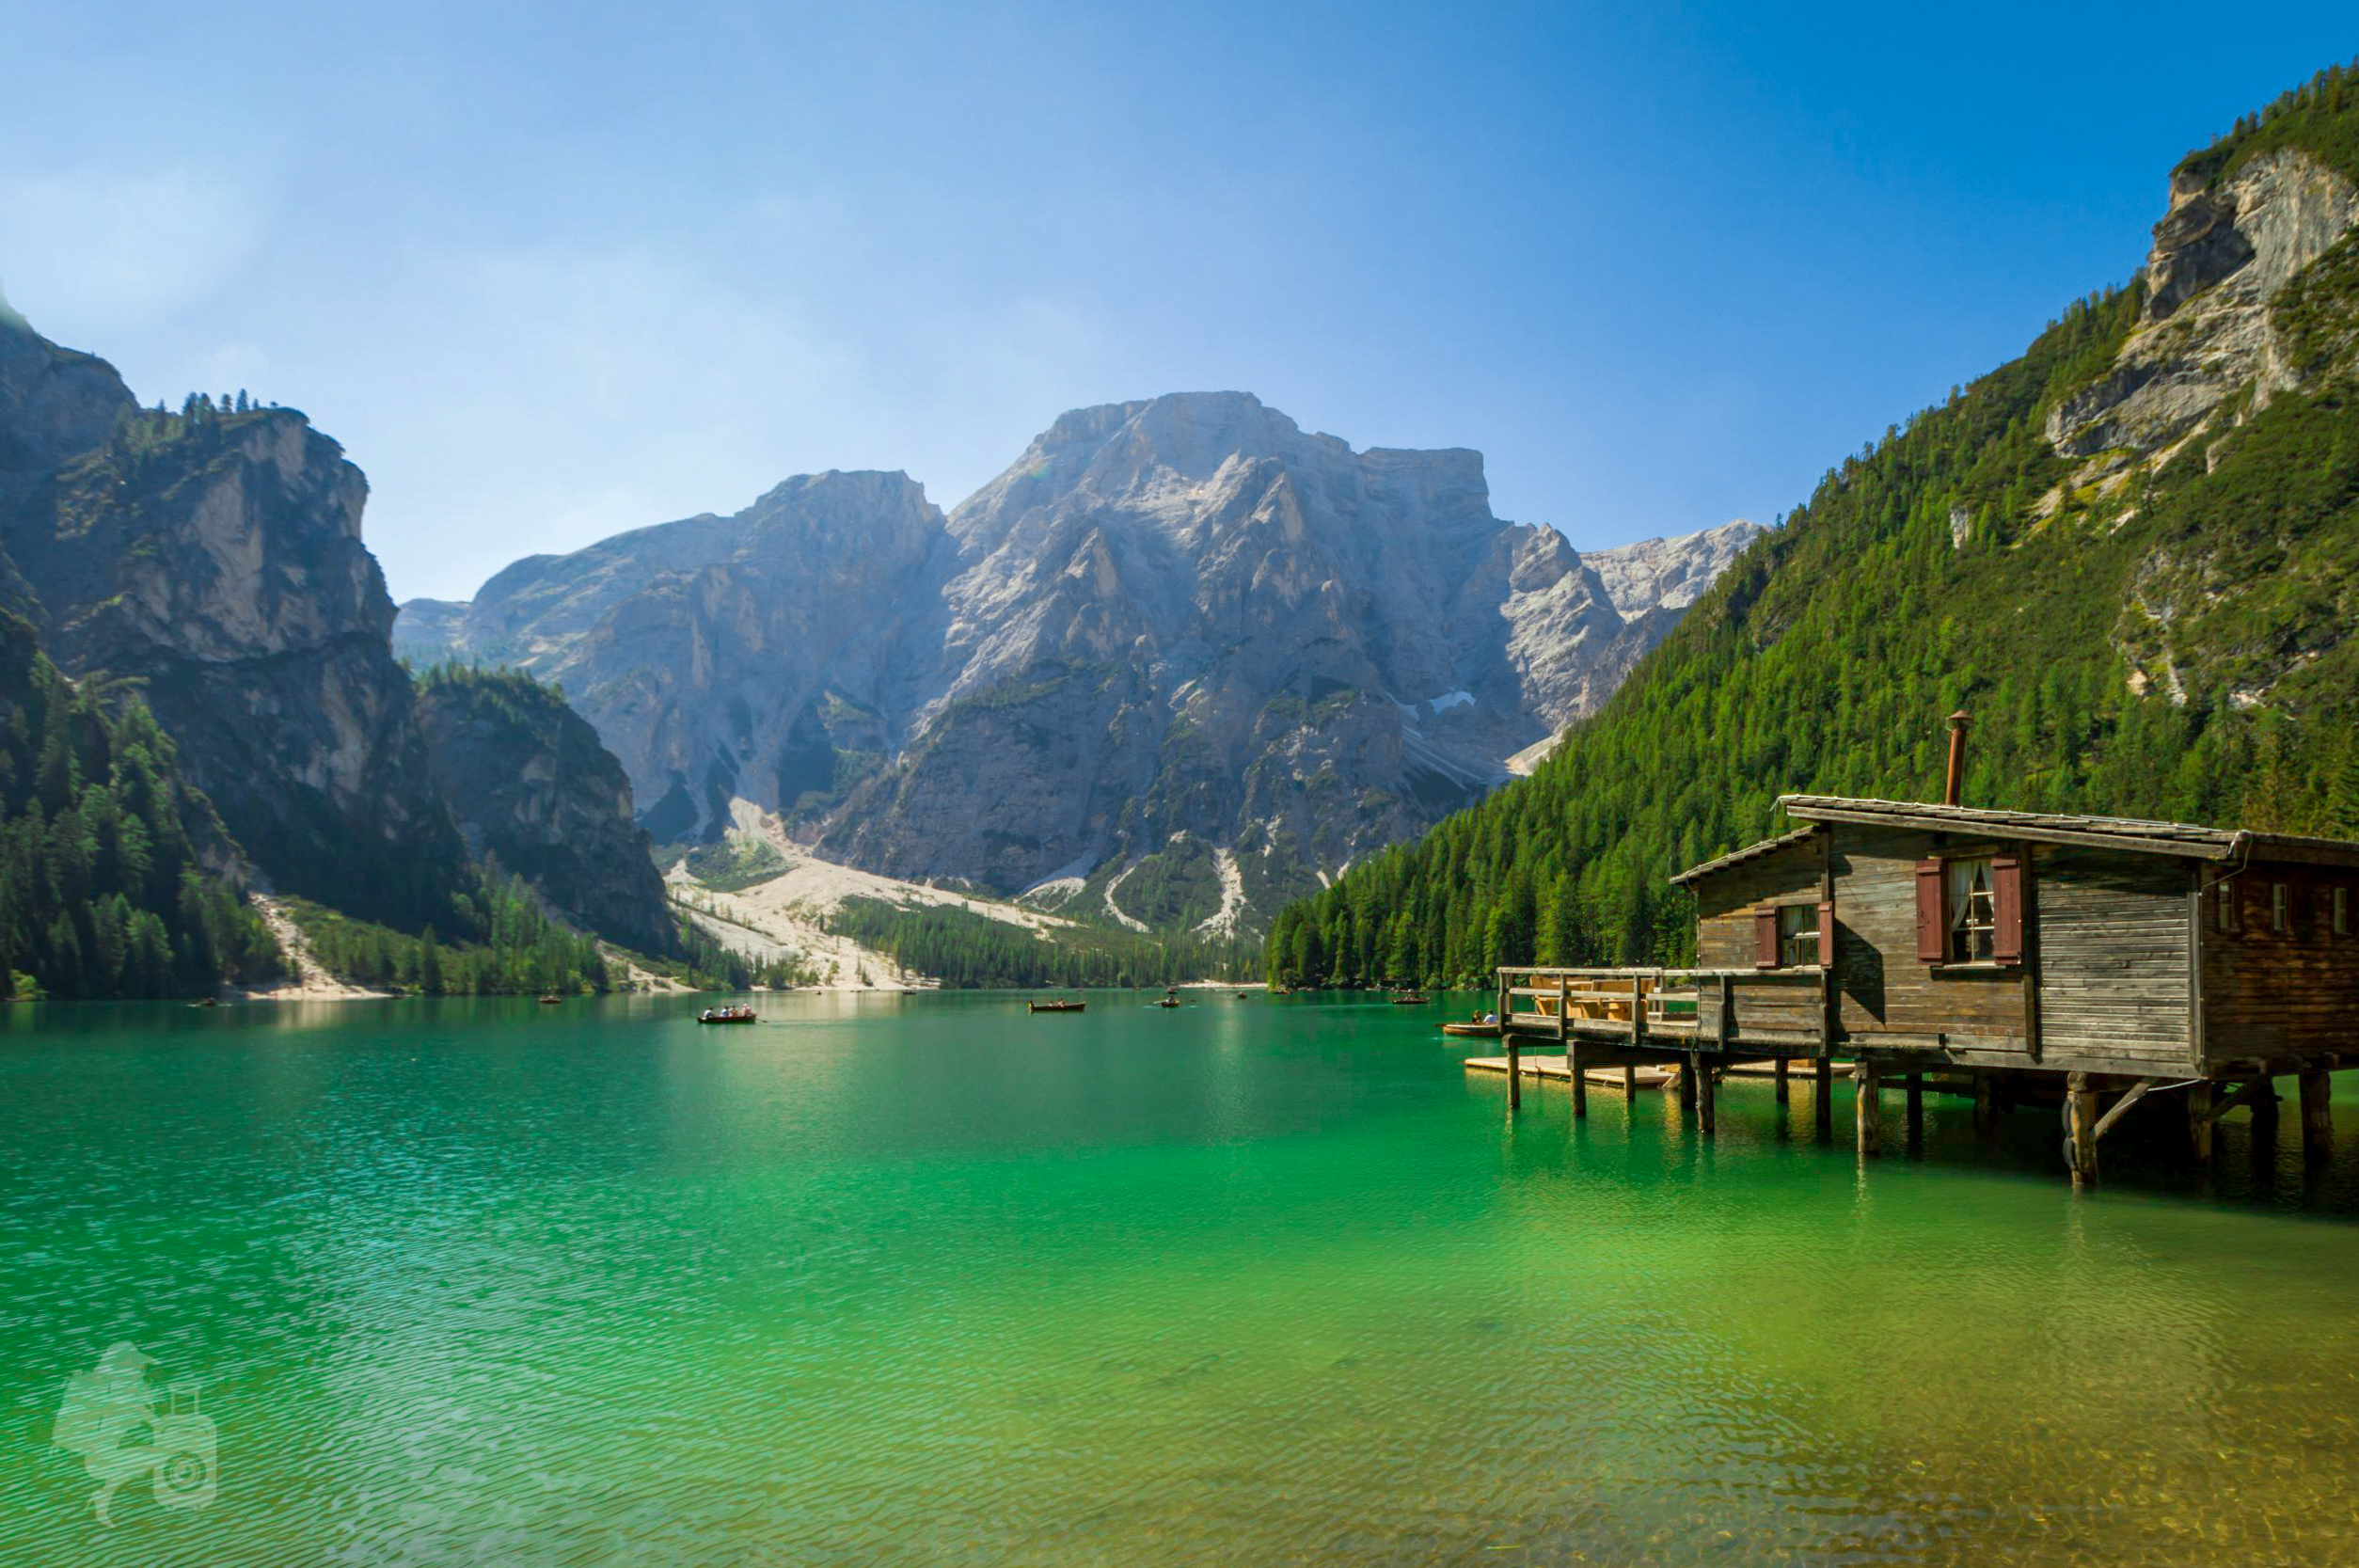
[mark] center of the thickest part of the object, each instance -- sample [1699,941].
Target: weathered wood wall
[1725,903]
[2272,994]
[1882,990]
[2111,948]
[2107,933]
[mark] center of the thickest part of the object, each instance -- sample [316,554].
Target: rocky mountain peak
[1667,573]
[2222,253]
[1176,621]
[55,403]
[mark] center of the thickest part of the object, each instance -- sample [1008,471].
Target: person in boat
[1490,1018]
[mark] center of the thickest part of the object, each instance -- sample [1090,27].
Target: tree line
[969,951]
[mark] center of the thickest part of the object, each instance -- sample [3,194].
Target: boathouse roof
[2184,839]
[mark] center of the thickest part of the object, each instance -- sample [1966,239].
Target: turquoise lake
[928,1280]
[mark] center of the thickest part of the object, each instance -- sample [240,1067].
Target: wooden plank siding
[2277,993]
[1726,902]
[2111,951]
[1882,988]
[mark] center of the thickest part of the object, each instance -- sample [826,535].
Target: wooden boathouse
[2024,958]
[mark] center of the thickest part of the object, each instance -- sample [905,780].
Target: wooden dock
[1632,1077]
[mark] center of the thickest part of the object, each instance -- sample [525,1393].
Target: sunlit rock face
[2222,255]
[1175,630]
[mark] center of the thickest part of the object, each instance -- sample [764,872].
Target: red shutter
[1765,938]
[2006,909]
[1827,932]
[1933,931]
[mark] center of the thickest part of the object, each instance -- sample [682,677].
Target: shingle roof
[1750,851]
[2124,832]
[2134,834]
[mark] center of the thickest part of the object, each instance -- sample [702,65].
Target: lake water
[928,1280]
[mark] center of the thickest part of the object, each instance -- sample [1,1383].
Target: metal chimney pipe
[1955,784]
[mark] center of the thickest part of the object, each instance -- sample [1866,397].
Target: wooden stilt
[1916,1107]
[2318,1115]
[2264,1104]
[1706,1098]
[1629,1082]
[2199,1121]
[1578,1080]
[1782,1096]
[1687,1084]
[1871,1108]
[1986,1107]
[2080,1119]
[1823,1098]
[1515,1073]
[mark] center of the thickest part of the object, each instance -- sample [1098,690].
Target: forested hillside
[2131,554]
[103,890]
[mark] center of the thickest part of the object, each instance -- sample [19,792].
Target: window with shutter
[1827,931]
[1971,909]
[2006,886]
[1932,929]
[1798,935]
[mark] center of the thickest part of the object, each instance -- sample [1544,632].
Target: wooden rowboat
[1472,1031]
[1057,1006]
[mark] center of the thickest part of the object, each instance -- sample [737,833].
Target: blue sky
[552,271]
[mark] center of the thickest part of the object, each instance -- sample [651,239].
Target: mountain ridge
[1147,636]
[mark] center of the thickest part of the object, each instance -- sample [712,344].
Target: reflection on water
[931,1281]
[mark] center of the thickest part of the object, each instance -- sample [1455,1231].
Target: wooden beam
[1705,1100]
[1783,1096]
[1986,1107]
[2136,1092]
[2080,1120]
[1915,1082]
[2199,1121]
[2029,914]
[1870,1085]
[1578,1080]
[1823,1098]
[2250,1093]
[1514,1071]
[2318,1116]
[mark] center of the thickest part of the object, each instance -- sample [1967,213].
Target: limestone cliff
[2223,254]
[214,558]
[218,562]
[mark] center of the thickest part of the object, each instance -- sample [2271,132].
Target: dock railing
[1665,1009]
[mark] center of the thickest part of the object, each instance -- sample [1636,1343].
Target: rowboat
[726,1015]
[1411,999]
[1060,1005]
[1472,1031]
